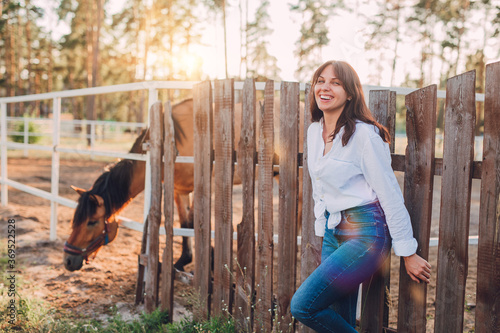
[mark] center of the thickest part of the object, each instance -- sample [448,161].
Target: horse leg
[186,221]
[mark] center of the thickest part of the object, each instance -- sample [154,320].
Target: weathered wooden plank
[169,154]
[398,164]
[265,245]
[223,183]
[375,311]
[311,244]
[154,215]
[203,157]
[455,202]
[245,267]
[419,180]
[382,104]
[488,263]
[288,197]
[139,286]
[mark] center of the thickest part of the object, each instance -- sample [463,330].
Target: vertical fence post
[245,267]
[26,135]
[203,157]
[3,139]
[152,98]
[455,202]
[265,245]
[373,313]
[92,137]
[311,244]
[488,263]
[154,216]
[288,197]
[56,129]
[169,152]
[419,180]
[223,183]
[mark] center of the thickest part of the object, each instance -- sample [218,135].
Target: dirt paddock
[107,284]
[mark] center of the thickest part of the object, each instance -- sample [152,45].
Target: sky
[349,46]
[281,42]
[348,35]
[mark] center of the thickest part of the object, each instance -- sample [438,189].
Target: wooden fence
[257,295]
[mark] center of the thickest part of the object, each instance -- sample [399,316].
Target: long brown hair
[354,109]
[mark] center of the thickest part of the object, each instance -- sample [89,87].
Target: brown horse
[94,222]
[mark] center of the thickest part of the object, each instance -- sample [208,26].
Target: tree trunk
[19,59]
[11,83]
[225,35]
[29,55]
[95,50]
[396,44]
[140,116]
[91,113]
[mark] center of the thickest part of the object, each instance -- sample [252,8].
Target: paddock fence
[262,280]
[244,283]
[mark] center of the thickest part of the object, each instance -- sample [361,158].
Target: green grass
[35,315]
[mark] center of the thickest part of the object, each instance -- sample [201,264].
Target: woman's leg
[337,279]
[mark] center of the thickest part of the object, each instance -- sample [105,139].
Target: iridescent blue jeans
[351,253]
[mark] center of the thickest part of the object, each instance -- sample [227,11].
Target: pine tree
[260,64]
[314,34]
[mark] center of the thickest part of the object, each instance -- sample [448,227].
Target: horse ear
[78,190]
[97,199]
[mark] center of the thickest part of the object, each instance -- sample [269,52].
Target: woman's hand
[418,268]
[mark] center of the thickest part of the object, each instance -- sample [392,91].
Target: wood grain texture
[375,312]
[154,215]
[265,244]
[488,263]
[245,266]
[223,184]
[458,155]
[310,244]
[288,200]
[168,273]
[203,157]
[419,180]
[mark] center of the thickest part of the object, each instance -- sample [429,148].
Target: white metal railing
[152,87]
[44,129]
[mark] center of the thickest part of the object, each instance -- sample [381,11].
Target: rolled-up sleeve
[376,166]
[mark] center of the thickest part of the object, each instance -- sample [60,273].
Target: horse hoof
[183,261]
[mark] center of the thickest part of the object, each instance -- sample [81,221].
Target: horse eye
[92,223]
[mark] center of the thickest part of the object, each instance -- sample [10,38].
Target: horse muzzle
[73,262]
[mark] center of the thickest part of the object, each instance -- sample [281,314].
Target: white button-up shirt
[354,175]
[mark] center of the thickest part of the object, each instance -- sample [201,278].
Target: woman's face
[329,92]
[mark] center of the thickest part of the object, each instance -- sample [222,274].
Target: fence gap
[455,202]
[419,183]
[488,254]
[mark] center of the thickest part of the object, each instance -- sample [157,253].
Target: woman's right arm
[418,268]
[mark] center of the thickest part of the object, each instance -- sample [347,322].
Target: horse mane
[179,133]
[113,186]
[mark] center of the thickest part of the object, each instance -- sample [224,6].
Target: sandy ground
[107,284]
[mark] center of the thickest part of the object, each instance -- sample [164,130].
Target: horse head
[93,227]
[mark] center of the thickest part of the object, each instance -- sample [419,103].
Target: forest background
[51,45]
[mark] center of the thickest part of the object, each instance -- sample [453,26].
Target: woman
[357,202]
